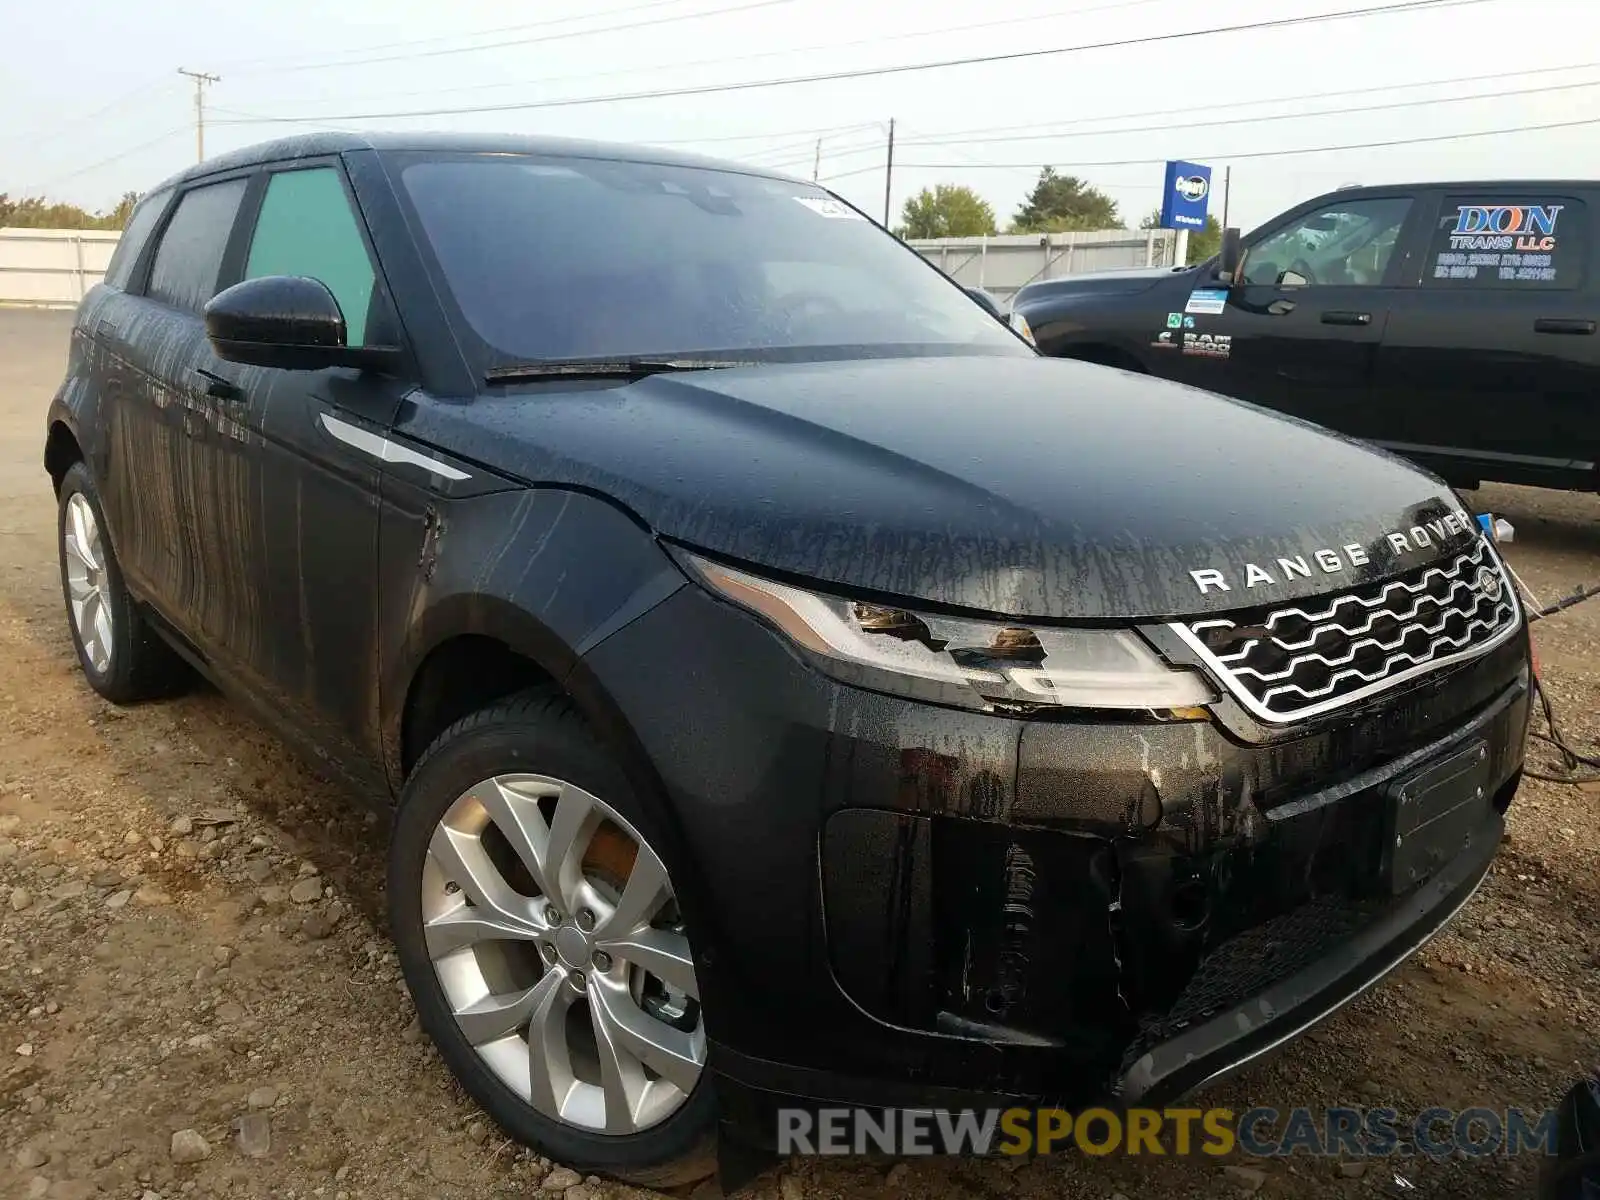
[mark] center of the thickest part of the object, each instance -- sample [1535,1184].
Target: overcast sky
[94,106]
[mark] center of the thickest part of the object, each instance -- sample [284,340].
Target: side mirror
[286,321]
[1231,258]
[988,301]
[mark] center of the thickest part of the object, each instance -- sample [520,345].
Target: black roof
[312,145]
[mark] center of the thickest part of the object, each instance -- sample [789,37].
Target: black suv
[1453,323]
[789,684]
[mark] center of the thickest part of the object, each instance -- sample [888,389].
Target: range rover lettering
[789,686]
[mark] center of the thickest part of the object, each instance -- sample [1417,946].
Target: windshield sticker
[1514,243]
[1188,322]
[1174,320]
[1207,302]
[827,206]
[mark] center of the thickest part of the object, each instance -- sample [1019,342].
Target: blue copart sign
[1185,195]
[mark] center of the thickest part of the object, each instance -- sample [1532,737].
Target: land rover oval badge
[1489,582]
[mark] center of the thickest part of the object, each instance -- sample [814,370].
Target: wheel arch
[61,450]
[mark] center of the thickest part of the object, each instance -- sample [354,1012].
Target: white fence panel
[53,267]
[1003,263]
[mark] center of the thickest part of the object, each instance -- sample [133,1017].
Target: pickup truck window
[1344,243]
[567,258]
[1484,242]
[189,258]
[307,227]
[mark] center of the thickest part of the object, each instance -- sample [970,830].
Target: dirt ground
[191,932]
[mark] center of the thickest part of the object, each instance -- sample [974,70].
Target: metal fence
[1002,264]
[55,267]
[52,267]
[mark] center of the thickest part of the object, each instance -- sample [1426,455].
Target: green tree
[35,212]
[1203,243]
[1063,203]
[947,210]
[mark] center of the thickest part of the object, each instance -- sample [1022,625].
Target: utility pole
[200,80]
[888,175]
[816,163]
[1227,186]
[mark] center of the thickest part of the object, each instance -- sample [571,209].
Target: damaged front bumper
[902,905]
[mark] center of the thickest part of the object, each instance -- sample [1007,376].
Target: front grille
[1294,662]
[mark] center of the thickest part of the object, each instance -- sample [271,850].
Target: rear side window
[1511,242]
[307,227]
[134,235]
[189,258]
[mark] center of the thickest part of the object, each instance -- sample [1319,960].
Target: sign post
[1185,194]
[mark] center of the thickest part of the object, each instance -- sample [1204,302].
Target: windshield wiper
[605,368]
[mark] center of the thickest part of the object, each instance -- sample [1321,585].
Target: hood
[1098,283]
[1022,486]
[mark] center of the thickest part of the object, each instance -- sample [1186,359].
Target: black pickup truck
[1453,323]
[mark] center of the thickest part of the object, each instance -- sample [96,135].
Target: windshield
[574,258]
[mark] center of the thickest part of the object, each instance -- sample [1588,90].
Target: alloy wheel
[555,935]
[88,582]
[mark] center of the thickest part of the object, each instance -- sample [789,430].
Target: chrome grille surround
[1294,662]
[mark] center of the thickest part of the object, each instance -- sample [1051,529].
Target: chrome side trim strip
[384,450]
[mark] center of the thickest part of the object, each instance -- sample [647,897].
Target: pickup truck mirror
[286,321]
[985,299]
[1231,258]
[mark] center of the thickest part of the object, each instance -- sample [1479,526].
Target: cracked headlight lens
[957,660]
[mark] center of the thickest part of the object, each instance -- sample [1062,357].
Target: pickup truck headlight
[956,660]
[1020,324]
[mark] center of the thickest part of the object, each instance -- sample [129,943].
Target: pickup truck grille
[1294,662]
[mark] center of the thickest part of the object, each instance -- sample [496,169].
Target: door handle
[219,388]
[1280,307]
[1339,316]
[1572,325]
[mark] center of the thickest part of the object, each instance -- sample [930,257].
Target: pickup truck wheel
[122,658]
[539,933]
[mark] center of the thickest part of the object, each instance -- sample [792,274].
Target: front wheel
[541,939]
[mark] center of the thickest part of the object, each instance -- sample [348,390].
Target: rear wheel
[121,656]
[540,935]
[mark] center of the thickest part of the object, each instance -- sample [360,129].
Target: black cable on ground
[1570,758]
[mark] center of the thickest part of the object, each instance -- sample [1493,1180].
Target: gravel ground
[197,997]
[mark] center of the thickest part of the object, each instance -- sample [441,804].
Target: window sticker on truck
[1507,243]
[1208,302]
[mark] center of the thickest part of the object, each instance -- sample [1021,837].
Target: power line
[1234,157]
[1399,6]
[450,37]
[723,60]
[126,152]
[549,37]
[956,137]
[1191,122]
[120,102]
[1360,91]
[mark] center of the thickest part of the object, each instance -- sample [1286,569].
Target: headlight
[1023,329]
[954,660]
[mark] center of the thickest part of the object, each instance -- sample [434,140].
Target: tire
[121,656]
[497,769]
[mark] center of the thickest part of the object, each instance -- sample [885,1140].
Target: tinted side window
[134,235]
[1345,242]
[189,258]
[307,227]
[1516,242]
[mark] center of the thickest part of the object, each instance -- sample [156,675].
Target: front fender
[549,572]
